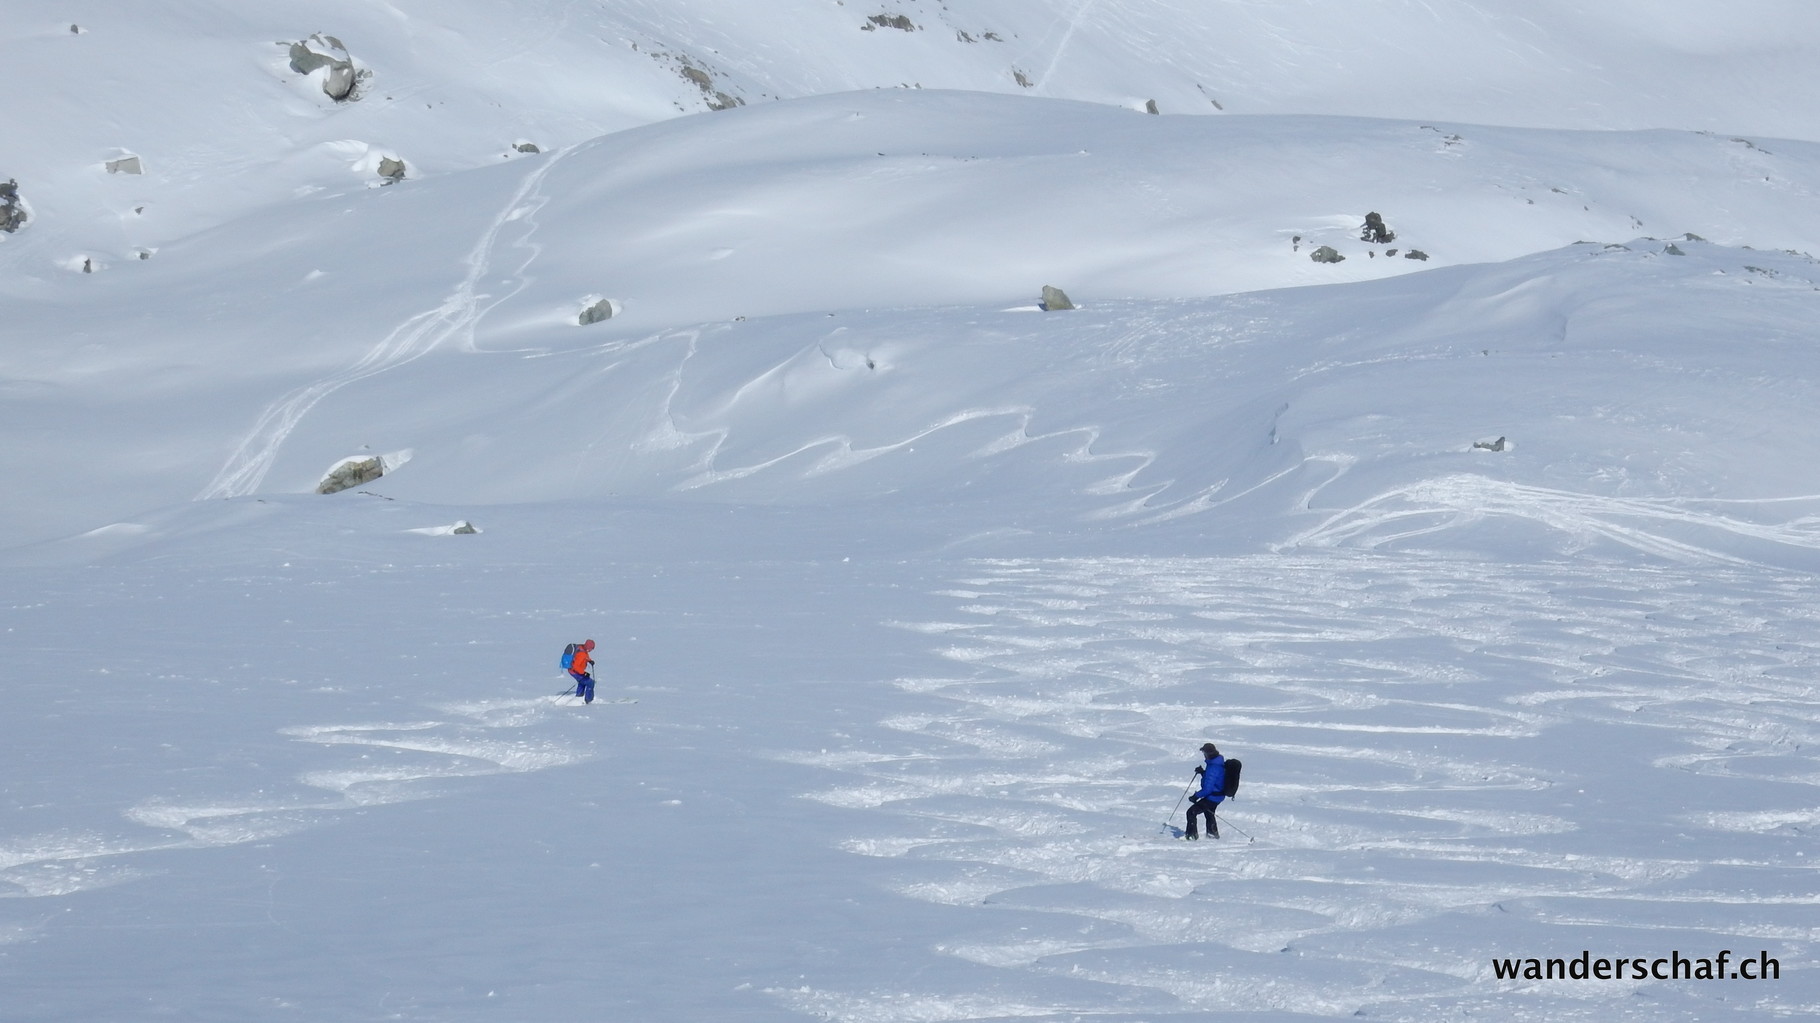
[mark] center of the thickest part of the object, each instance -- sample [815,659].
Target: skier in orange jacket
[578,670]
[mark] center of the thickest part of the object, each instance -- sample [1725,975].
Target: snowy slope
[773,240]
[205,96]
[914,599]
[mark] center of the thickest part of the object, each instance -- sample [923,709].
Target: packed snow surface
[1490,549]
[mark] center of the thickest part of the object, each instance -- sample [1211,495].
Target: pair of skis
[559,697]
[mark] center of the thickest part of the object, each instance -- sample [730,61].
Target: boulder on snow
[1326,254]
[1489,445]
[1374,230]
[12,210]
[391,169]
[1150,107]
[126,165]
[325,53]
[351,472]
[716,99]
[1055,299]
[526,147]
[896,21]
[463,528]
[595,313]
[1416,254]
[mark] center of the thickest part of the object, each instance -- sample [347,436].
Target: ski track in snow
[1073,21]
[1034,786]
[1436,505]
[387,762]
[416,337]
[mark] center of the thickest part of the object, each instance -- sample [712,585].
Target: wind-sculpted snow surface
[1447,762]
[261,744]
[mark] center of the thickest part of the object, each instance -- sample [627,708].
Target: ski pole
[1178,805]
[1238,829]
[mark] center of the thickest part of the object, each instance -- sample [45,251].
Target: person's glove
[1200,771]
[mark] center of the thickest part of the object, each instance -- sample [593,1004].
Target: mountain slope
[754,258]
[208,99]
[914,599]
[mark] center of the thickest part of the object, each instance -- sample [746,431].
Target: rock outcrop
[1055,299]
[896,21]
[717,100]
[12,209]
[320,52]
[350,473]
[1327,254]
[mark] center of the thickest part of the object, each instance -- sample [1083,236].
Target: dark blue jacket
[1213,780]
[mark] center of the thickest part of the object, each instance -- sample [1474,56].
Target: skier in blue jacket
[1213,790]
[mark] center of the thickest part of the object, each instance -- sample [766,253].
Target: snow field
[920,787]
[1495,568]
[1472,803]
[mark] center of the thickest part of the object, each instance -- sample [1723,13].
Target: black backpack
[1231,788]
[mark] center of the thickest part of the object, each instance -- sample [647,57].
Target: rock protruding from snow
[326,54]
[1374,230]
[1416,254]
[1055,299]
[601,309]
[391,169]
[12,209]
[463,528]
[351,472]
[1150,107]
[527,147]
[1489,445]
[701,79]
[126,165]
[1327,254]
[897,21]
